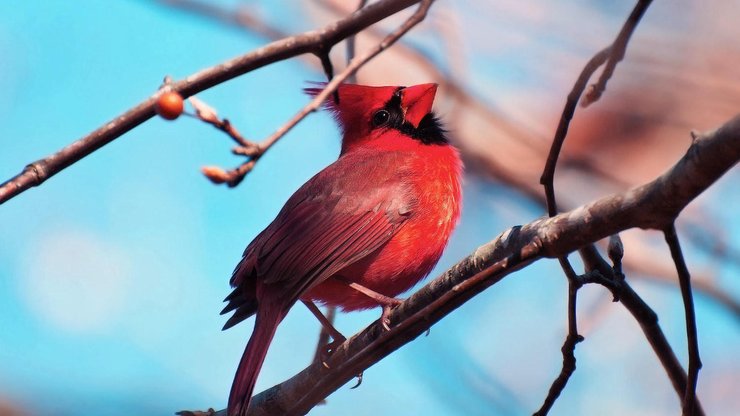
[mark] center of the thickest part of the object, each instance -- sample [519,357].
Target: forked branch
[611,55]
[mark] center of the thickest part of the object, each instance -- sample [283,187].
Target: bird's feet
[359,381]
[385,316]
[386,302]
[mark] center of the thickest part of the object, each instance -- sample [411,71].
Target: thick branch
[310,42]
[656,204]
[653,205]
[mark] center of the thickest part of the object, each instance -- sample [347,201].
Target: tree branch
[612,55]
[569,346]
[653,205]
[548,175]
[618,49]
[314,41]
[684,281]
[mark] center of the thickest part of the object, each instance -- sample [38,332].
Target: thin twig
[39,171]
[548,175]
[613,55]
[618,49]
[648,321]
[244,147]
[208,114]
[351,43]
[569,346]
[684,280]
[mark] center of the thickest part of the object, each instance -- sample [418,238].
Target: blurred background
[112,273]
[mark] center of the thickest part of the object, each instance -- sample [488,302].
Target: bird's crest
[354,107]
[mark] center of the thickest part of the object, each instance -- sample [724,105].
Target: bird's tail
[266,323]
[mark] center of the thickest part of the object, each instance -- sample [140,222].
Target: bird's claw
[386,324]
[385,317]
[329,349]
[359,381]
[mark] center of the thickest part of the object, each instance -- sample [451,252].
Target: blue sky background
[112,273]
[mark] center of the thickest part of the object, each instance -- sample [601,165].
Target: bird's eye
[381,117]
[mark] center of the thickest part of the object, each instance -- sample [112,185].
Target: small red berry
[169,105]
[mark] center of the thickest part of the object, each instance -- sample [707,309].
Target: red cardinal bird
[363,230]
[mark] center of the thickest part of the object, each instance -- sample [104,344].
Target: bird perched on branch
[363,230]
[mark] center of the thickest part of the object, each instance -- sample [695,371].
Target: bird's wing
[328,241]
[334,220]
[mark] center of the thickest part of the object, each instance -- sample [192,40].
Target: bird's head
[366,113]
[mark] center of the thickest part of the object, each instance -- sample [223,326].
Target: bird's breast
[416,246]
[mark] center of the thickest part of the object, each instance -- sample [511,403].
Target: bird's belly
[393,269]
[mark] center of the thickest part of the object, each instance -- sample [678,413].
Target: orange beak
[417,102]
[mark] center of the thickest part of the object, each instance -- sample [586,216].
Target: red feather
[379,216]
